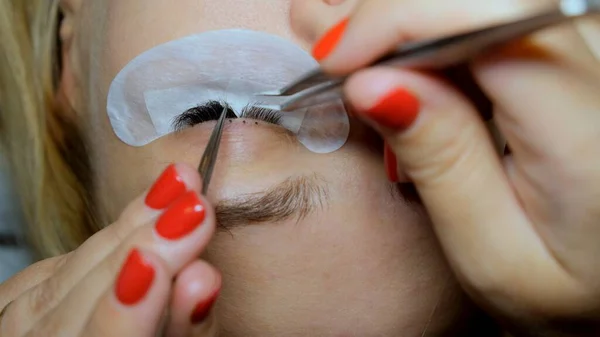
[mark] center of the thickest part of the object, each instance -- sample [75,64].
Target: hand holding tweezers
[317,87]
[206,167]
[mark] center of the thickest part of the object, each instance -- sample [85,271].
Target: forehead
[112,33]
[134,26]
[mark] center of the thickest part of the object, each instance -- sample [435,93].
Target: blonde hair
[37,137]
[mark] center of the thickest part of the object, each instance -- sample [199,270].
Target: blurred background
[13,250]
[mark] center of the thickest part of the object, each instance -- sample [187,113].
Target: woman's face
[357,259]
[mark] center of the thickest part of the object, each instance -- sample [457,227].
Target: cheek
[366,255]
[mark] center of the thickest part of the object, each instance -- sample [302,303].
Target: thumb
[443,146]
[195,292]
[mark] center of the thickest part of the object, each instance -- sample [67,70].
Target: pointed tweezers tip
[209,158]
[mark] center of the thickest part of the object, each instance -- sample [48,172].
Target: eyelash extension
[262,114]
[199,114]
[212,111]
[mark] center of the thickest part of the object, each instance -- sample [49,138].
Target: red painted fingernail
[330,40]
[397,110]
[182,217]
[135,279]
[203,309]
[391,163]
[167,188]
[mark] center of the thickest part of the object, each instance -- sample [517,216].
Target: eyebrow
[294,198]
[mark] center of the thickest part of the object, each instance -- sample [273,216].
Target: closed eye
[211,111]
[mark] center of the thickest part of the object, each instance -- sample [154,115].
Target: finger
[3,311]
[174,181]
[443,146]
[547,87]
[310,18]
[463,80]
[37,301]
[553,138]
[194,294]
[178,236]
[29,278]
[378,26]
[555,72]
[559,85]
[139,318]
[14,290]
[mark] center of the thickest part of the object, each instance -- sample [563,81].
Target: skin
[393,275]
[501,224]
[534,214]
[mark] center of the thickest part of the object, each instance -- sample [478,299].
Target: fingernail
[167,188]
[330,40]
[391,163]
[182,217]
[135,279]
[202,310]
[397,110]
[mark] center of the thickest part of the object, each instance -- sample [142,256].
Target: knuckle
[134,239]
[115,263]
[48,326]
[29,302]
[8,321]
[12,321]
[133,211]
[441,155]
[29,278]
[133,217]
[124,229]
[48,266]
[139,236]
[44,296]
[118,232]
[98,327]
[60,261]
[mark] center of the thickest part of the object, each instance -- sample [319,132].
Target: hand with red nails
[123,280]
[521,231]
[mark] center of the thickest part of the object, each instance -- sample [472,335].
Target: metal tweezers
[209,158]
[317,87]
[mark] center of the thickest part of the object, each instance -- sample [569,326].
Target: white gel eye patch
[227,65]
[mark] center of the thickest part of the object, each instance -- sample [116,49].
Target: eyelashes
[200,114]
[212,111]
[262,114]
